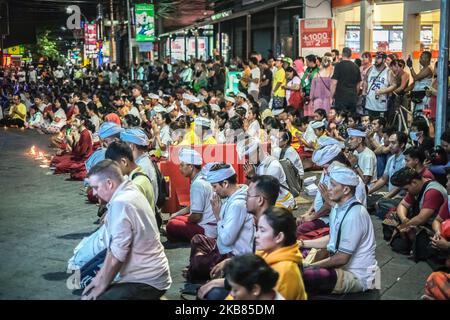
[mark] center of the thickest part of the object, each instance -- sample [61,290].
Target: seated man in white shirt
[235,226]
[363,160]
[198,217]
[284,150]
[135,266]
[317,216]
[345,261]
[258,162]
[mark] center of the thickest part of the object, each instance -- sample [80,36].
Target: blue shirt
[394,164]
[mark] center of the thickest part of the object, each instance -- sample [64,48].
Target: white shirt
[95,121]
[134,238]
[61,114]
[256,74]
[254,129]
[164,135]
[357,239]
[375,83]
[293,156]
[135,112]
[367,161]
[293,81]
[147,166]
[201,193]
[236,227]
[272,167]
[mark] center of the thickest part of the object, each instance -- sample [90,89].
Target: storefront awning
[209,20]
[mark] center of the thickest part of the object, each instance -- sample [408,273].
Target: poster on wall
[315,36]
[352,36]
[145,22]
[177,49]
[90,40]
[201,47]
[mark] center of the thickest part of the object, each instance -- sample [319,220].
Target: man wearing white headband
[317,215]
[258,162]
[229,106]
[350,264]
[235,226]
[138,141]
[363,160]
[203,132]
[241,101]
[197,218]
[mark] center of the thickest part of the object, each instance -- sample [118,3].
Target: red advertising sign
[315,36]
[90,34]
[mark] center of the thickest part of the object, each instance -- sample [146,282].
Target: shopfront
[400,27]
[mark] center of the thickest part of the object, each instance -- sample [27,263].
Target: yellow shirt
[246,76]
[21,109]
[295,143]
[286,261]
[144,185]
[280,76]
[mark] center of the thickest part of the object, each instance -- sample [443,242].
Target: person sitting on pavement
[383,202]
[135,251]
[318,214]
[346,260]
[286,151]
[138,141]
[415,213]
[258,162]
[262,193]
[198,217]
[80,144]
[440,243]
[235,226]
[120,152]
[276,243]
[363,160]
[249,277]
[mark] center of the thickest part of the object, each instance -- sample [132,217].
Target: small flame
[33,150]
[41,155]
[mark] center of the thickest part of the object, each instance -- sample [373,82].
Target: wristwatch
[356,166]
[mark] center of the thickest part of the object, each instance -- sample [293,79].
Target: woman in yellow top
[248,277]
[276,243]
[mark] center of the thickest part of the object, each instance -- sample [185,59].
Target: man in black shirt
[217,75]
[345,83]
[266,80]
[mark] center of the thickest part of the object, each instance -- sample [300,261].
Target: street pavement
[44,216]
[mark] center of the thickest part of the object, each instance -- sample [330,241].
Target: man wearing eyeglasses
[17,114]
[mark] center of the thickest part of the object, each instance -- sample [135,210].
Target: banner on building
[145,22]
[315,36]
[16,50]
[90,40]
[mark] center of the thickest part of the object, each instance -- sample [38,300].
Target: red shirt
[426,174]
[432,199]
[443,211]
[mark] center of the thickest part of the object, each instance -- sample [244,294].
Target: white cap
[317,124]
[153,96]
[230,99]
[242,95]
[220,175]
[214,107]
[326,154]
[356,133]
[159,109]
[201,121]
[190,156]
[343,175]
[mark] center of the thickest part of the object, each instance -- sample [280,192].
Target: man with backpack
[258,162]
[290,161]
[121,153]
